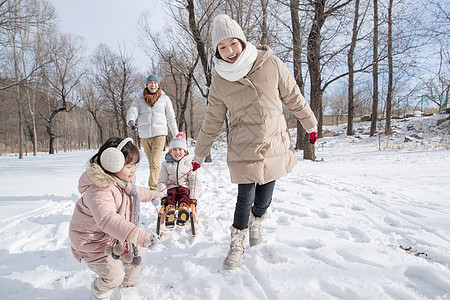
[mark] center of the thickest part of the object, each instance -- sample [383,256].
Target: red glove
[313,137]
[195,166]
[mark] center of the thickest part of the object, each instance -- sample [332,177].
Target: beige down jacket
[96,215]
[172,170]
[259,146]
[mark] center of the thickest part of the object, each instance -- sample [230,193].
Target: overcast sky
[112,22]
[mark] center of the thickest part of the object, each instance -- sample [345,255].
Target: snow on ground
[368,220]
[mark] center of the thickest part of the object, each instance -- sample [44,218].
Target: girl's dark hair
[130,152]
[217,54]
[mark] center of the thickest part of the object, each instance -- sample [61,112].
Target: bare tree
[390,91]
[351,70]
[435,85]
[116,79]
[336,103]
[45,16]
[374,116]
[93,104]
[200,32]
[406,35]
[198,26]
[264,25]
[61,77]
[18,19]
[18,46]
[321,13]
[180,62]
[436,88]
[22,21]
[302,136]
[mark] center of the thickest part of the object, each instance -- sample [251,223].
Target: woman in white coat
[154,113]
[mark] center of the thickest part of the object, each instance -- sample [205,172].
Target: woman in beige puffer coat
[251,84]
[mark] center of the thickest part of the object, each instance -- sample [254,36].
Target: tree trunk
[201,50]
[351,51]
[50,129]
[20,122]
[264,27]
[191,119]
[373,125]
[302,140]
[33,117]
[314,43]
[390,90]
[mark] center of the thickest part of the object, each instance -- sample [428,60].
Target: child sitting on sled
[104,230]
[179,182]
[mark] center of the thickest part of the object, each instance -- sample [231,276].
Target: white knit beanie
[179,142]
[224,27]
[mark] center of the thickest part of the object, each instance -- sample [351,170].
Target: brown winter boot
[254,227]
[237,248]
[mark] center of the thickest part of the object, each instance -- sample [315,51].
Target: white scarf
[241,67]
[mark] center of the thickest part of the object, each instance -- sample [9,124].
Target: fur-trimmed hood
[97,215]
[95,175]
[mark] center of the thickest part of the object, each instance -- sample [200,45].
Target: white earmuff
[112,159]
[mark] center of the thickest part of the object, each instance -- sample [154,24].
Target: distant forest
[380,58]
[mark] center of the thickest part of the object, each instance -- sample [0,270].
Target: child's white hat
[179,142]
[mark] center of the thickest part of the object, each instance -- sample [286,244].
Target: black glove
[132,126]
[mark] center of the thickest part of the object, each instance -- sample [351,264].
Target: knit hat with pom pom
[225,27]
[179,142]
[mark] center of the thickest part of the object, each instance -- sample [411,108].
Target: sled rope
[175,181]
[195,184]
[157,211]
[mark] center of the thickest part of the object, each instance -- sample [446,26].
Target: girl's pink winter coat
[96,215]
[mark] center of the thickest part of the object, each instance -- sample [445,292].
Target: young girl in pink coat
[104,230]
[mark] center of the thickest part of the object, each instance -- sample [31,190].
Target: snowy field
[369,220]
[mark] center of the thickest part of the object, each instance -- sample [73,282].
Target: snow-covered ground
[368,220]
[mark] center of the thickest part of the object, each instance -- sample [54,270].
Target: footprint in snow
[321,214]
[284,221]
[391,222]
[358,235]
[428,283]
[357,208]
[412,213]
